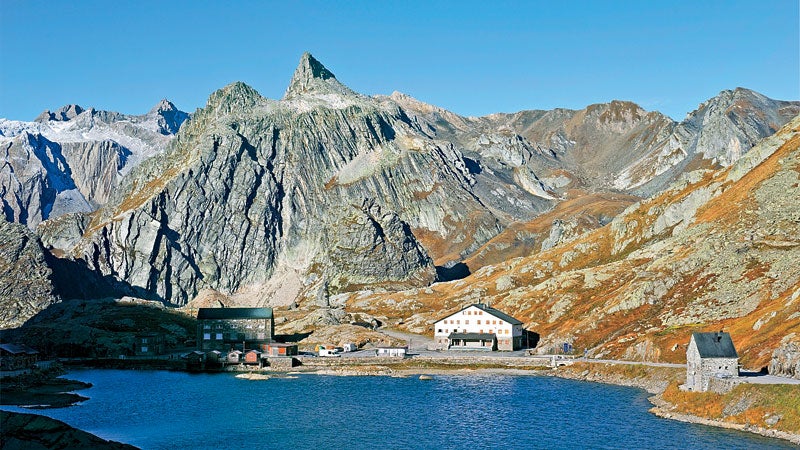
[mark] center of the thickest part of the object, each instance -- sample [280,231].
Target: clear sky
[471,57]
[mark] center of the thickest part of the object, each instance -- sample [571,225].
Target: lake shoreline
[654,380]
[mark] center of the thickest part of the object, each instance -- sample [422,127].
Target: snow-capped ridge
[65,113]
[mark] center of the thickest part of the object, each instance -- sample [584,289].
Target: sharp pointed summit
[163,105]
[168,117]
[313,77]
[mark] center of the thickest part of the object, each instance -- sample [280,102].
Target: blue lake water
[175,410]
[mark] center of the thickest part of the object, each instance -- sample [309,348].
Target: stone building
[710,355]
[478,327]
[226,328]
[149,344]
[17,357]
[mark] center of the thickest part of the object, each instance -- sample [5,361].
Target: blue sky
[472,57]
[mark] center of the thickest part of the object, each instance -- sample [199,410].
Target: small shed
[214,356]
[349,347]
[234,356]
[252,357]
[281,349]
[710,355]
[392,352]
[195,360]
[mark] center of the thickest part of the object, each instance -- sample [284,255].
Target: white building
[478,327]
[393,352]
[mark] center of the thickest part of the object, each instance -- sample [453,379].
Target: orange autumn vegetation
[746,404]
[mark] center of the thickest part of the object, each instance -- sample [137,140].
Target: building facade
[478,327]
[17,357]
[149,344]
[280,349]
[710,355]
[391,352]
[224,329]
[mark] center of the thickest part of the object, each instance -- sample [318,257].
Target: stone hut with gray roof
[710,355]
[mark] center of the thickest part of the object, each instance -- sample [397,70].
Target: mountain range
[327,196]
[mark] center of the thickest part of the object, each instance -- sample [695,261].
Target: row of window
[455,330]
[466,322]
[223,326]
[218,336]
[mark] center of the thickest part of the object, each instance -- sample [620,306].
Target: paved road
[757,378]
[619,361]
[420,345]
[418,342]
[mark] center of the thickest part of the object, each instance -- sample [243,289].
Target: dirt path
[416,342]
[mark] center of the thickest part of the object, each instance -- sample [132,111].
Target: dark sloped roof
[472,336]
[488,309]
[715,345]
[234,313]
[497,313]
[18,349]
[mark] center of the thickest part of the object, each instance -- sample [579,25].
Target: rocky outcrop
[33,432]
[717,134]
[25,285]
[70,160]
[63,114]
[785,360]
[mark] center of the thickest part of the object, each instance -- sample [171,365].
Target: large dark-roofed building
[478,327]
[224,329]
[17,356]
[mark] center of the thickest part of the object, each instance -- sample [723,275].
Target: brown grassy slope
[583,210]
[712,253]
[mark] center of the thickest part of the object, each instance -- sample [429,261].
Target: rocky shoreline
[667,410]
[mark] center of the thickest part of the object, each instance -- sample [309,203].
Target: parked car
[329,352]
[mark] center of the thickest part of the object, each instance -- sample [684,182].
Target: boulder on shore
[33,432]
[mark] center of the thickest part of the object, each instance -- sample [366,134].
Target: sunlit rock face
[70,160]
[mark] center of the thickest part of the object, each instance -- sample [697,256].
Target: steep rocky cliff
[327,190]
[325,185]
[25,285]
[71,159]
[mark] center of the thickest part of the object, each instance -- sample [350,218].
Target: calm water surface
[175,410]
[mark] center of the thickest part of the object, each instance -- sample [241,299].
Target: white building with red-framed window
[478,327]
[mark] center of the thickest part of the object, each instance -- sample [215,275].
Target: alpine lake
[175,410]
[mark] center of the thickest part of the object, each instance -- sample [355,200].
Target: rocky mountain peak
[234,96]
[311,77]
[63,114]
[169,117]
[163,106]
